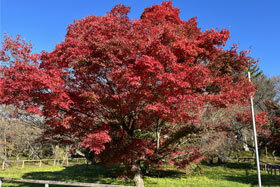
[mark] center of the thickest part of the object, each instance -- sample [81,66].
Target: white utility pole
[255,137]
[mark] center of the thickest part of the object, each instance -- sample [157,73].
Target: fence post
[46,185]
[3,164]
[22,164]
[40,164]
[267,168]
[0,183]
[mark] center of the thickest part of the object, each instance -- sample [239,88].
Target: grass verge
[227,175]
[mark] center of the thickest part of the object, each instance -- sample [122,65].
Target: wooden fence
[49,182]
[271,169]
[55,161]
[245,159]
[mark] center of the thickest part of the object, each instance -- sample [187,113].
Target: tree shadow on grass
[245,166]
[267,180]
[78,173]
[246,174]
[93,174]
[233,165]
[250,178]
[166,173]
[250,175]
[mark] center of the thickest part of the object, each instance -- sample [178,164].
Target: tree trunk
[260,151]
[266,153]
[211,160]
[138,179]
[158,134]
[158,139]
[220,161]
[273,154]
[5,144]
[245,145]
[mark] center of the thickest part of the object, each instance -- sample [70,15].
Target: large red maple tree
[130,90]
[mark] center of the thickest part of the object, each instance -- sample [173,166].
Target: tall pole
[255,137]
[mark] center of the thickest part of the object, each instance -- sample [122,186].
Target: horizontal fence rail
[48,182]
[55,161]
[248,159]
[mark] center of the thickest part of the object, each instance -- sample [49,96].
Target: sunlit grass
[235,175]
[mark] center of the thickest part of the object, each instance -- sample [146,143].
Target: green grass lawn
[231,174]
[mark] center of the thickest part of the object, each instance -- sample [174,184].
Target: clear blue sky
[252,23]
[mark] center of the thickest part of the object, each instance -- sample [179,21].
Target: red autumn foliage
[277,121]
[274,118]
[114,84]
[275,138]
[261,119]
